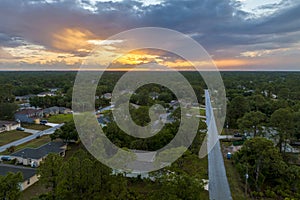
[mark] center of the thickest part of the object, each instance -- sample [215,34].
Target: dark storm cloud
[217,24]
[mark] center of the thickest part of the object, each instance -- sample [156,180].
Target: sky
[246,35]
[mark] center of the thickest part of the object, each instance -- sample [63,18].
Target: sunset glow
[54,35]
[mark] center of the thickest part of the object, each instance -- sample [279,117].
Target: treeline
[7,105]
[83,177]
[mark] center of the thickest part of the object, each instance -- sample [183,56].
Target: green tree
[236,109]
[257,102]
[262,161]
[7,110]
[174,186]
[67,132]
[49,172]
[83,177]
[252,121]
[9,186]
[282,120]
[296,120]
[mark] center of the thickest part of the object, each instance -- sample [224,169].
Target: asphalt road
[218,184]
[31,137]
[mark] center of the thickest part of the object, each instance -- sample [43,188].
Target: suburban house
[143,162]
[29,174]
[174,104]
[8,125]
[44,94]
[63,110]
[166,118]
[106,96]
[55,110]
[34,156]
[29,115]
[54,90]
[24,106]
[51,111]
[154,95]
[25,97]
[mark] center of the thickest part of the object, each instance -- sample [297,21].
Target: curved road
[31,137]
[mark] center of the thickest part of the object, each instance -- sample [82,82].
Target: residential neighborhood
[24,139]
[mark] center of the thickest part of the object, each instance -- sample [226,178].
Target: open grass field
[35,126]
[10,136]
[62,118]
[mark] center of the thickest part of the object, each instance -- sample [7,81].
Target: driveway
[51,124]
[27,130]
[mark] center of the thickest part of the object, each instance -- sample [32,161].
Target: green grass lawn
[32,144]
[202,112]
[10,136]
[33,191]
[35,126]
[236,184]
[62,118]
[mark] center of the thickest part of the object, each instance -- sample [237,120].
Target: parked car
[43,122]
[237,135]
[20,129]
[5,158]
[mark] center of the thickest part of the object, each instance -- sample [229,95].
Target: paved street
[31,137]
[218,183]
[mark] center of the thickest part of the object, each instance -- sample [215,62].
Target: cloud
[4,54]
[220,26]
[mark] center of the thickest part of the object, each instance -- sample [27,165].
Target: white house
[9,125]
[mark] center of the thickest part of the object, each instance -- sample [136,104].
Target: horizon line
[221,70]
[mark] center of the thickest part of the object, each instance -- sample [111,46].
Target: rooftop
[26,171]
[5,123]
[40,152]
[29,111]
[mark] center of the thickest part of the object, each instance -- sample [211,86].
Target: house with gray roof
[8,125]
[34,156]
[51,111]
[29,174]
[29,115]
